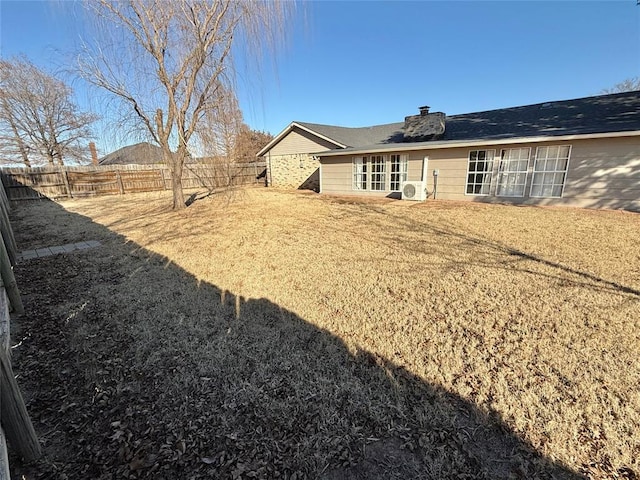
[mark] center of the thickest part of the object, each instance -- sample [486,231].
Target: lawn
[289,335]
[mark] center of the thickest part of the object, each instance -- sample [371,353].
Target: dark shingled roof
[357,137]
[427,126]
[618,112]
[141,153]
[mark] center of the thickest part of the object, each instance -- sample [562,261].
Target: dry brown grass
[529,316]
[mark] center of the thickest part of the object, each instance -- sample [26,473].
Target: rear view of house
[291,159]
[583,152]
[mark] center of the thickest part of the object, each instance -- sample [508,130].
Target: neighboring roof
[141,154]
[598,115]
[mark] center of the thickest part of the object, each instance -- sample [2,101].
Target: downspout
[425,169]
[424,176]
[435,183]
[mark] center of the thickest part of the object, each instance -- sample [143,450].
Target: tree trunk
[176,186]
[58,153]
[175,165]
[51,158]
[21,146]
[23,154]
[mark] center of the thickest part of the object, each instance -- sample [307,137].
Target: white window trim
[386,162]
[525,171]
[385,182]
[404,160]
[491,172]
[357,186]
[566,171]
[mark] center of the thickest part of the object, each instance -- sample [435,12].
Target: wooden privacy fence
[67,181]
[14,419]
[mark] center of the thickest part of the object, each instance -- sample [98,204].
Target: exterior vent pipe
[425,170]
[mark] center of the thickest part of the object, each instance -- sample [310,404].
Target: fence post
[5,347]
[164,182]
[9,280]
[15,419]
[7,231]
[65,179]
[4,196]
[120,184]
[4,457]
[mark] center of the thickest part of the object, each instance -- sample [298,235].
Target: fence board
[142,181]
[92,183]
[58,182]
[5,228]
[14,416]
[15,423]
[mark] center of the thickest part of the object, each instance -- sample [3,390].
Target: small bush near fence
[67,181]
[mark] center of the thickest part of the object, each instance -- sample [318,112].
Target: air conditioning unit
[414,191]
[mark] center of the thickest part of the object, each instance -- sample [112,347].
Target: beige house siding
[300,141]
[602,173]
[337,176]
[605,173]
[290,164]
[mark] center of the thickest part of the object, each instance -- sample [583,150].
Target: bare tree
[248,142]
[223,133]
[628,85]
[38,119]
[217,131]
[13,141]
[216,139]
[171,62]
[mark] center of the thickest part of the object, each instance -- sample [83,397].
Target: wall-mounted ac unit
[414,191]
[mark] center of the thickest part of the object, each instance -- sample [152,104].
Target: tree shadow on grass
[495,252]
[134,368]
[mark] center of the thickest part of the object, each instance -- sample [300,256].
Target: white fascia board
[437,145]
[290,128]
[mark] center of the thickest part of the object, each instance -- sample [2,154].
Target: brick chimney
[94,153]
[425,126]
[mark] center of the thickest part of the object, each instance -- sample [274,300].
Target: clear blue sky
[357,63]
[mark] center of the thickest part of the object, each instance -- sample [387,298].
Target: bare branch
[628,85]
[37,110]
[172,63]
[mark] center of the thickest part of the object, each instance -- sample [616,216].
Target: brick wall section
[298,170]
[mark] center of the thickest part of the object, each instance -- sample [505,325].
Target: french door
[512,172]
